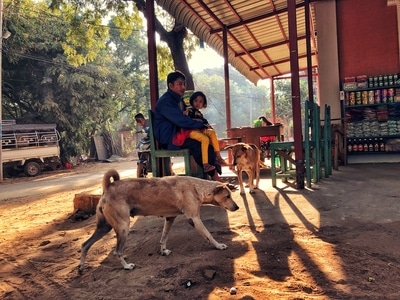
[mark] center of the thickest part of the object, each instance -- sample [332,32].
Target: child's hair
[173,76]
[195,95]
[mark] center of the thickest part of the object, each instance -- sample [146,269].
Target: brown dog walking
[170,196]
[246,157]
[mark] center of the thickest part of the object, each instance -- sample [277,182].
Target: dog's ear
[246,147]
[219,188]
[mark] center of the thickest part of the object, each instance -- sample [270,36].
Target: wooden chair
[312,145]
[161,158]
[281,155]
[339,148]
[327,142]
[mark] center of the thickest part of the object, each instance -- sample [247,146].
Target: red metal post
[296,106]
[152,53]
[273,107]
[226,78]
[309,54]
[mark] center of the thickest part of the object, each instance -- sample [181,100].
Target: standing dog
[167,197]
[246,157]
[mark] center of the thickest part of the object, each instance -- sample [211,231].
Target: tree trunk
[174,40]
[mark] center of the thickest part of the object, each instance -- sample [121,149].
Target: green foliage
[100,83]
[164,66]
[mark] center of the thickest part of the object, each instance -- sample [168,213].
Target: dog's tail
[107,179]
[102,227]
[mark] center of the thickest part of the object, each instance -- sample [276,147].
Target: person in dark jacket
[144,123]
[169,119]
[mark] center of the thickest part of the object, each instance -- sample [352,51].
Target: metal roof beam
[277,63]
[266,47]
[256,19]
[217,20]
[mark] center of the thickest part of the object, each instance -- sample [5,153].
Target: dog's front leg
[198,224]
[257,176]
[240,178]
[250,174]
[167,227]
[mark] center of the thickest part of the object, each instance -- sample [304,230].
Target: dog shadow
[275,238]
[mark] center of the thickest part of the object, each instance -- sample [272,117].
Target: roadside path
[63,182]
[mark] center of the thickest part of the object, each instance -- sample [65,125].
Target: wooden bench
[161,158]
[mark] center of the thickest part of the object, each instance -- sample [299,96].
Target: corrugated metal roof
[257,32]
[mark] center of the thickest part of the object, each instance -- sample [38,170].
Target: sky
[205,58]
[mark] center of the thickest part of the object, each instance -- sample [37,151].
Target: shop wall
[367,38]
[328,65]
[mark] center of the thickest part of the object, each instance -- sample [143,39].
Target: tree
[42,85]
[175,35]
[130,56]
[283,102]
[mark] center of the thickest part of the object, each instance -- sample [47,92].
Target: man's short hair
[173,76]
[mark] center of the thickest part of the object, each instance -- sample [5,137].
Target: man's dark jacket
[168,118]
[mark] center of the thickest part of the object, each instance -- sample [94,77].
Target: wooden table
[253,134]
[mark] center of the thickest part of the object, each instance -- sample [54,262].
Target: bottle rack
[372,114]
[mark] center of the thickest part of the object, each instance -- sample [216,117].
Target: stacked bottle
[366,145]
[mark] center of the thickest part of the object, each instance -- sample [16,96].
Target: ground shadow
[349,237]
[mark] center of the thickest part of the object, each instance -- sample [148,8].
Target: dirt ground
[338,240]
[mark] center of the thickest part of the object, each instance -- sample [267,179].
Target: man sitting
[169,118]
